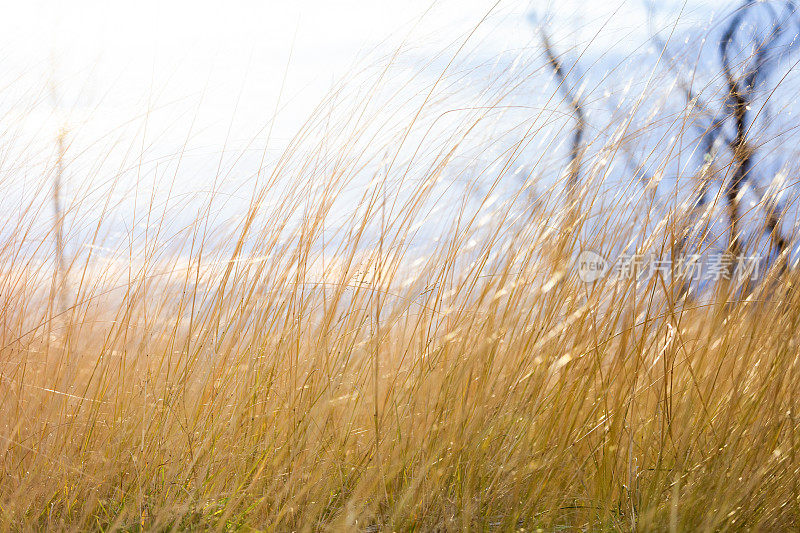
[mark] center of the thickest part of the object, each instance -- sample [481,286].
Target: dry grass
[311,367]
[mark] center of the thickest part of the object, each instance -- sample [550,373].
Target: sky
[105,61]
[133,82]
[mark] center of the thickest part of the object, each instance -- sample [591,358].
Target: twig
[575,154]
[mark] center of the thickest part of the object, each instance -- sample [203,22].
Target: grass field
[385,367]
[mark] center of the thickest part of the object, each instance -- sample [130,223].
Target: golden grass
[311,367]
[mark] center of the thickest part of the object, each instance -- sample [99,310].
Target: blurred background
[189,100]
[224,70]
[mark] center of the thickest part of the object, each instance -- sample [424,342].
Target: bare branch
[575,153]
